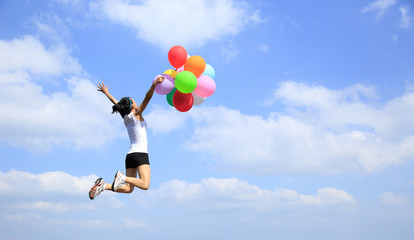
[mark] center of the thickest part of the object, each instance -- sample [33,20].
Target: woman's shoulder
[137,116]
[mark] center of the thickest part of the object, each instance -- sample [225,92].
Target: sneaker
[97,188]
[118,181]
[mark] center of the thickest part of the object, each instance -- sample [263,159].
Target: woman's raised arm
[104,89]
[149,94]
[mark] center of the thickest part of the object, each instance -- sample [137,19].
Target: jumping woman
[136,161]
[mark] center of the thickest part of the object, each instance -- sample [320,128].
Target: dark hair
[123,106]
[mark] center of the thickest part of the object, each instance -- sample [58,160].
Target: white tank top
[137,132]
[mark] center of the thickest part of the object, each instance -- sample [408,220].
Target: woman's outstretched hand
[159,79]
[103,88]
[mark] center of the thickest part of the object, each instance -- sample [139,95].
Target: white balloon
[197,99]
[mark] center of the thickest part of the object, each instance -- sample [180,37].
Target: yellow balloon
[171,72]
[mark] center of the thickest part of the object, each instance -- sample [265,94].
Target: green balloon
[170,97]
[185,81]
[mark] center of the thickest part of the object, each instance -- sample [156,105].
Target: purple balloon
[166,86]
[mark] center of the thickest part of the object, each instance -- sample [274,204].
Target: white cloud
[31,118]
[50,191]
[379,6]
[28,54]
[35,203]
[232,193]
[54,199]
[390,198]
[405,21]
[61,192]
[49,182]
[322,131]
[188,23]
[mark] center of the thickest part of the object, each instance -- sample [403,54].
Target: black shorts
[134,160]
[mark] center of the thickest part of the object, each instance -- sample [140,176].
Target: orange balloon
[195,64]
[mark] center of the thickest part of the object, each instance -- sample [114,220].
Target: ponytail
[123,107]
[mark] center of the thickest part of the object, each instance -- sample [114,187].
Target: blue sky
[308,135]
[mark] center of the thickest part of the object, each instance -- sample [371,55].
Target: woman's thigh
[131,172]
[144,172]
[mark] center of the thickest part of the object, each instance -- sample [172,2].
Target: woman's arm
[104,89]
[149,94]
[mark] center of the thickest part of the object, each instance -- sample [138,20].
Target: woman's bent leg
[127,188]
[143,182]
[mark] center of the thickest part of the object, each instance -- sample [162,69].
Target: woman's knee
[145,186]
[130,188]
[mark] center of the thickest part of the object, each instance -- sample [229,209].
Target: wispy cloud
[129,223]
[263,47]
[405,21]
[390,198]
[229,52]
[381,7]
[293,22]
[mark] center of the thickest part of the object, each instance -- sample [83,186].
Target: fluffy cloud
[62,192]
[379,6]
[49,182]
[322,131]
[36,118]
[34,203]
[166,23]
[51,192]
[232,193]
[29,54]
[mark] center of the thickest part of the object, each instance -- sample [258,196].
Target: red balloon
[183,101]
[177,56]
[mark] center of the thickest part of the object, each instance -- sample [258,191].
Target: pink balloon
[166,86]
[205,86]
[180,69]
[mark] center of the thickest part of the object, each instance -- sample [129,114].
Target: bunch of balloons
[190,83]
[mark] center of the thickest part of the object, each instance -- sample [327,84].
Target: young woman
[136,161]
